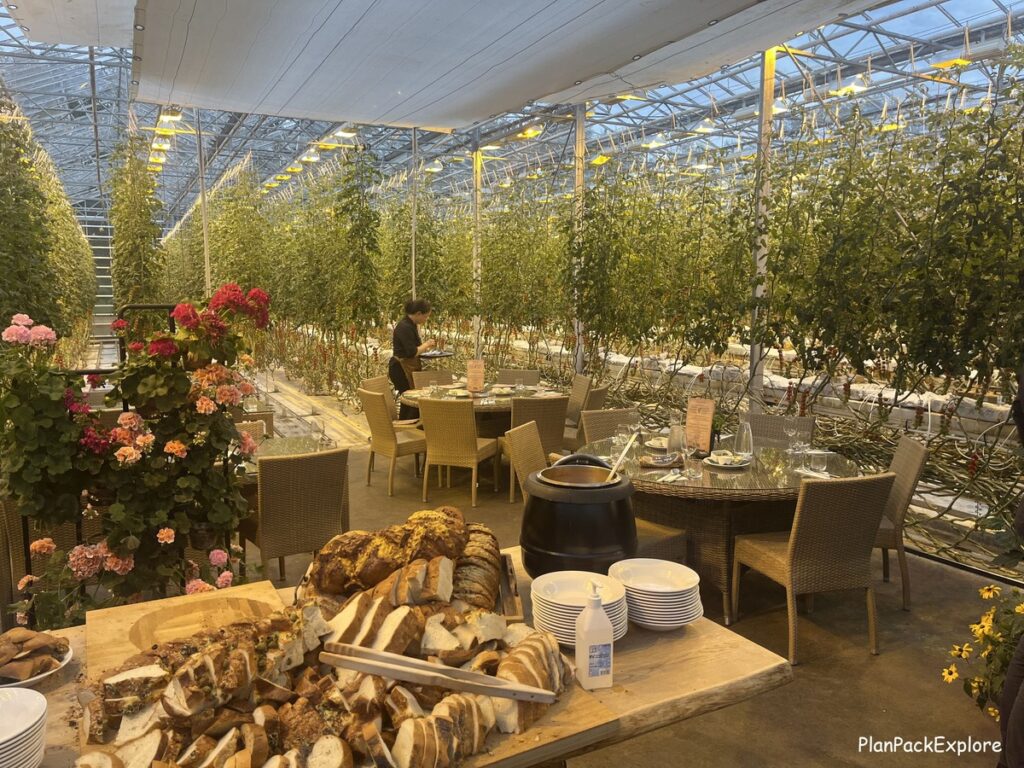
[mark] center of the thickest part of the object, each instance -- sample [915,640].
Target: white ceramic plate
[21,710]
[502,391]
[570,618]
[651,575]
[20,750]
[662,616]
[710,462]
[33,680]
[572,588]
[568,637]
[657,443]
[459,392]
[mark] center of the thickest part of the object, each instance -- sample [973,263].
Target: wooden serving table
[660,678]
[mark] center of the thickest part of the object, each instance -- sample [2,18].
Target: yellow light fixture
[856,84]
[271,185]
[530,132]
[950,63]
[600,160]
[157,157]
[170,115]
[283,176]
[434,167]
[311,156]
[657,140]
[780,106]
[161,144]
[505,183]
[264,191]
[294,168]
[164,131]
[156,168]
[346,133]
[707,125]
[630,97]
[490,147]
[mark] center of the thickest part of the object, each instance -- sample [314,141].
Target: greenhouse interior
[514,364]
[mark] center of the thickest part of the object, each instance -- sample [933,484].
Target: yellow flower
[986,652]
[949,674]
[975,686]
[990,591]
[994,713]
[1019,608]
[978,631]
[961,651]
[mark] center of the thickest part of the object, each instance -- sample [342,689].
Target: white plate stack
[22,728]
[661,595]
[559,597]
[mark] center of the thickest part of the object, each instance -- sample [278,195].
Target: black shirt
[405,339]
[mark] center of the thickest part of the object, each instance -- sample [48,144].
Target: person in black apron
[406,348]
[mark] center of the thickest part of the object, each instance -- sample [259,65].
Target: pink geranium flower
[165,535]
[85,561]
[205,405]
[27,581]
[218,558]
[22,319]
[16,334]
[41,336]
[195,586]
[225,579]
[176,448]
[42,546]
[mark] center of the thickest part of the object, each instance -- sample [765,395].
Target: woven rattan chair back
[382,384]
[7,555]
[257,430]
[548,413]
[908,465]
[510,376]
[577,395]
[382,430]
[834,532]
[450,429]
[526,451]
[303,502]
[422,379]
[600,425]
[768,430]
[595,399]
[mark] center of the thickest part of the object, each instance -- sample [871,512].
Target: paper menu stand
[700,414]
[475,376]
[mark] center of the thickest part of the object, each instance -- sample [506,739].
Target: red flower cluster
[186,316]
[136,346]
[214,327]
[119,326]
[255,304]
[163,347]
[74,404]
[94,440]
[95,380]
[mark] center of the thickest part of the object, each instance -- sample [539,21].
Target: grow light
[156,168]
[530,132]
[294,168]
[283,176]
[490,147]
[856,84]
[630,97]
[434,167]
[600,160]
[311,156]
[505,183]
[657,140]
[707,125]
[161,144]
[346,133]
[950,63]
[157,157]
[170,115]
[271,185]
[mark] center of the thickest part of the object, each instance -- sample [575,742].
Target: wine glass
[745,440]
[690,472]
[789,428]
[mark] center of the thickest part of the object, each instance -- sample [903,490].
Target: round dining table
[717,504]
[493,399]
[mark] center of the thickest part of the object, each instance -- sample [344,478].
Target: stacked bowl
[22,728]
[559,596]
[661,595]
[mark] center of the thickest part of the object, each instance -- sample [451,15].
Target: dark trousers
[1011,711]
[397,375]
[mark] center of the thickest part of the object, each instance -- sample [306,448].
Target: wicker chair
[422,379]
[600,425]
[303,502]
[577,395]
[267,417]
[384,439]
[575,436]
[595,399]
[257,429]
[526,454]
[768,429]
[908,466]
[510,376]
[6,569]
[549,415]
[828,549]
[383,384]
[450,427]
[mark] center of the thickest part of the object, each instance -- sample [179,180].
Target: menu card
[700,412]
[475,376]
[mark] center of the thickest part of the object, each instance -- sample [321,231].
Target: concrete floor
[840,692]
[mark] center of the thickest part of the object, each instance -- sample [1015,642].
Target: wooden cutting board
[114,634]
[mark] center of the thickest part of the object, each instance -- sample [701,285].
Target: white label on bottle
[600,661]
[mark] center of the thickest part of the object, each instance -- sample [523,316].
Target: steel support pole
[579,157]
[762,195]
[208,278]
[478,169]
[414,172]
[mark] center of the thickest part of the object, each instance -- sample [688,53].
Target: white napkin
[814,473]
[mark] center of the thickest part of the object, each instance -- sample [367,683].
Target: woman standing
[406,348]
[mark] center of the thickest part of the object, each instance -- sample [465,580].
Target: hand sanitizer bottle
[594,644]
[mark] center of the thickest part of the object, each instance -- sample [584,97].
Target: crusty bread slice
[410,582]
[196,752]
[402,705]
[98,760]
[143,751]
[376,749]
[136,682]
[226,747]
[139,722]
[439,581]
[486,710]
[430,745]
[516,633]
[241,759]
[372,622]
[266,717]
[436,638]
[399,630]
[313,626]
[255,739]
[388,588]
[409,748]
[345,626]
[444,734]
[329,752]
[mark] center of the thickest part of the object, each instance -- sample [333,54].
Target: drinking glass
[519,387]
[690,471]
[789,428]
[819,461]
[745,441]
